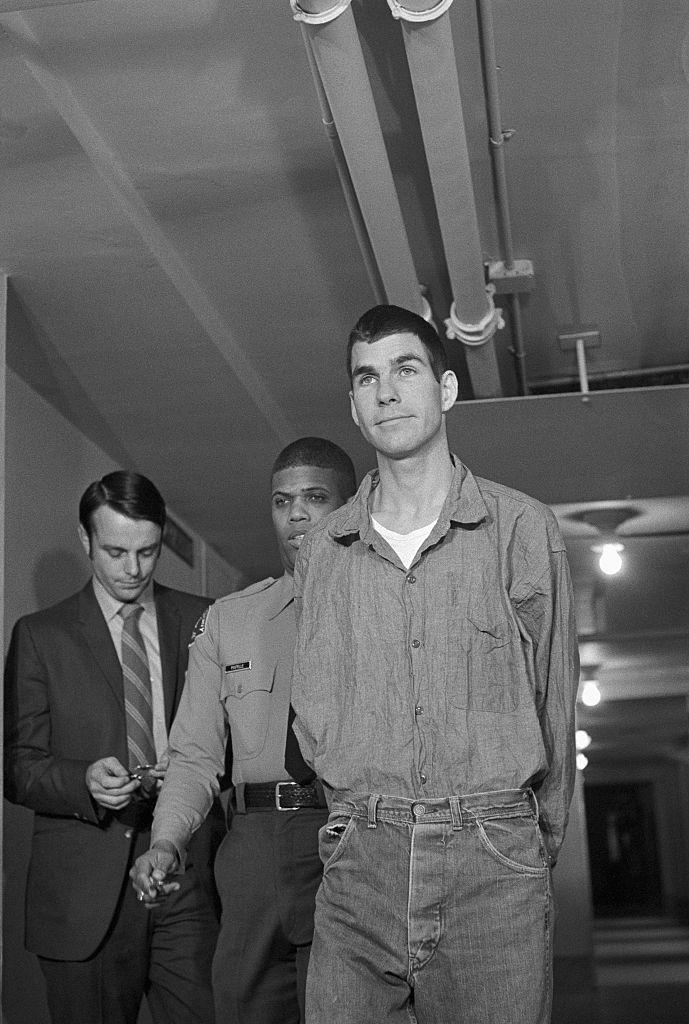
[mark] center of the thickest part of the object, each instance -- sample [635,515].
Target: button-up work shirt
[458,675]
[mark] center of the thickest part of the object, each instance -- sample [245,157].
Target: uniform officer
[238,686]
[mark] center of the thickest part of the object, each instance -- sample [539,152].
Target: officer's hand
[150,872]
[110,784]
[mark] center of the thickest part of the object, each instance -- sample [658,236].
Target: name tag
[238,666]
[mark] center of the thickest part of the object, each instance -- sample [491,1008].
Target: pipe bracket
[319,17]
[403,13]
[426,311]
[505,136]
[477,334]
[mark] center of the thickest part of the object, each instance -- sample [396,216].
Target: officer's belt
[278,796]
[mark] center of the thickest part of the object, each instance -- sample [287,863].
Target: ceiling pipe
[498,137]
[645,373]
[346,183]
[331,31]
[473,318]
[14,6]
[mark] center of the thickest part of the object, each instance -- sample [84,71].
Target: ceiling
[185,261]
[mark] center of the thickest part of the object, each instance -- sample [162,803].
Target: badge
[238,666]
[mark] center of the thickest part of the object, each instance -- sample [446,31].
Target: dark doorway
[623,849]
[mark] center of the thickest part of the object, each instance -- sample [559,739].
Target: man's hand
[109,783]
[150,777]
[162,766]
[150,872]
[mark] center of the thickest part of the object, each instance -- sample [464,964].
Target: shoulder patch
[200,627]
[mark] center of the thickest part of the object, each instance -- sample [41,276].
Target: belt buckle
[278,805]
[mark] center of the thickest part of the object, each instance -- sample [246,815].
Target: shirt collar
[463,504]
[110,605]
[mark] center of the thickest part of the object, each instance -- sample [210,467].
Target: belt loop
[372,804]
[239,798]
[531,796]
[455,814]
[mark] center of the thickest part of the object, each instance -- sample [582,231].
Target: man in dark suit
[92,686]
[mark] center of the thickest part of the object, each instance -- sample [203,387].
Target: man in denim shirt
[434,685]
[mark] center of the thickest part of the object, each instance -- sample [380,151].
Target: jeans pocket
[516,843]
[333,837]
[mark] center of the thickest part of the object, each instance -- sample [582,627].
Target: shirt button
[129,833]
[411,578]
[423,778]
[416,643]
[418,710]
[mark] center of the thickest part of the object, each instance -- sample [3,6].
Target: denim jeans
[436,911]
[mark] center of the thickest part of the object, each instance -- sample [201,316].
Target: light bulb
[590,695]
[582,761]
[610,562]
[583,739]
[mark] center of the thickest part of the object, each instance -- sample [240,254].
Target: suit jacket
[64,709]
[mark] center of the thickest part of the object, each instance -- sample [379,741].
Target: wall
[3,373]
[572,886]
[48,465]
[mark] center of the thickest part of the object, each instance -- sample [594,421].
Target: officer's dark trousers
[267,872]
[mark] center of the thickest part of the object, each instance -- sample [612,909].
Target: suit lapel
[168,618]
[96,634]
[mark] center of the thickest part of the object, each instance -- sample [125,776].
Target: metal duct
[473,317]
[332,33]
[497,139]
[346,183]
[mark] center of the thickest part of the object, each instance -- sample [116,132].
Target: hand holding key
[150,873]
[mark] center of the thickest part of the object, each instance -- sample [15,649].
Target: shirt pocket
[492,659]
[246,696]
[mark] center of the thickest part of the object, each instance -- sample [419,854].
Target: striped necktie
[136,681]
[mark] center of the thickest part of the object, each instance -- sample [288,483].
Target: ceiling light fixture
[610,561]
[590,694]
[582,739]
[606,521]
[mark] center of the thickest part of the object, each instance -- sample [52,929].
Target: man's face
[396,401]
[301,496]
[123,552]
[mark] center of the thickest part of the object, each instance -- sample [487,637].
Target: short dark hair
[128,493]
[382,321]
[324,454]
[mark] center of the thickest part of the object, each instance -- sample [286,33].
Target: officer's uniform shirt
[238,681]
